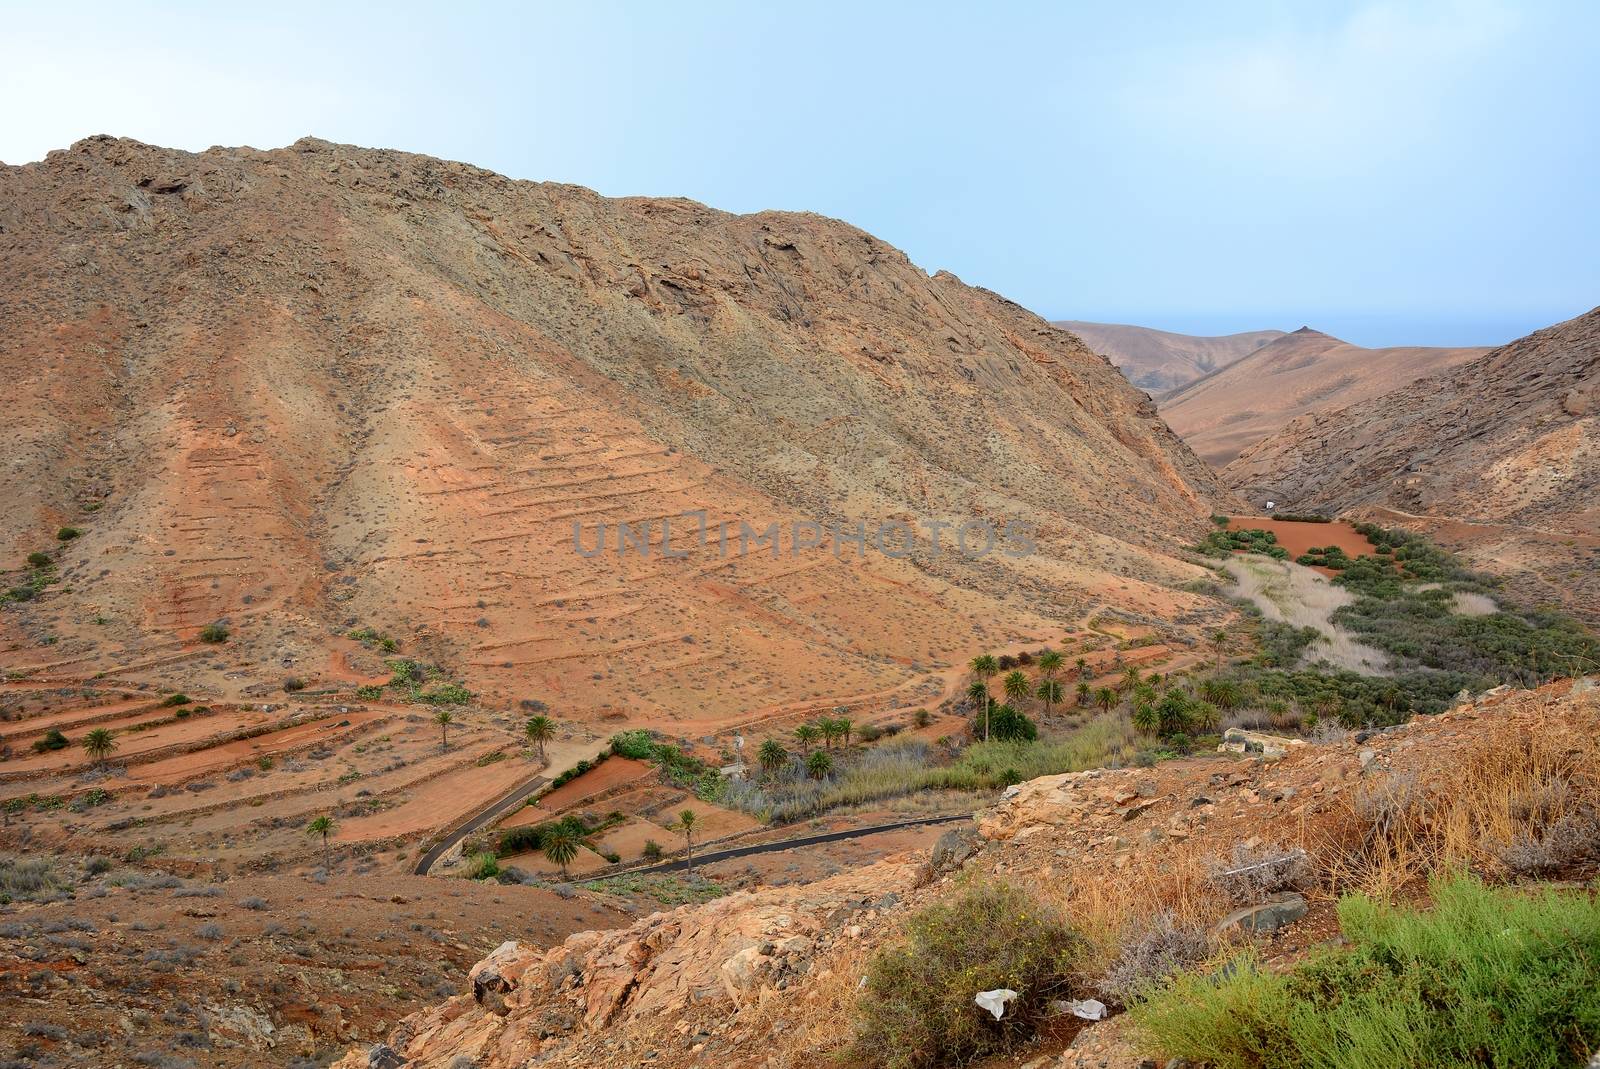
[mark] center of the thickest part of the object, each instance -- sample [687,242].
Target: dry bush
[1152,951]
[1254,872]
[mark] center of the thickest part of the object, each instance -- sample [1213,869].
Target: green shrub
[175,699]
[917,1010]
[370,693]
[293,684]
[1487,977]
[67,534]
[1010,725]
[446,694]
[39,560]
[483,867]
[635,744]
[53,740]
[214,633]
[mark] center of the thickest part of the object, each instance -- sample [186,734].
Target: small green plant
[53,740]
[483,867]
[67,534]
[175,699]
[214,634]
[39,560]
[369,693]
[917,1011]
[1491,977]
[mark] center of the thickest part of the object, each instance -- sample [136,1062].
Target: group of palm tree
[818,763]
[1018,688]
[827,729]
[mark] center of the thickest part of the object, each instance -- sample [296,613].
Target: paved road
[787,844]
[507,802]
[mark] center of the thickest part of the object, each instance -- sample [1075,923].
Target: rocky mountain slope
[1159,360]
[317,387]
[1497,457]
[771,977]
[1233,407]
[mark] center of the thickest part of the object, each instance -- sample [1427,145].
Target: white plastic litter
[1090,1009]
[995,1001]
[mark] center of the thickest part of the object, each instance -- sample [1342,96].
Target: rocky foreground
[769,977]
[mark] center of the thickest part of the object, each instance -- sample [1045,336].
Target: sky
[1394,173]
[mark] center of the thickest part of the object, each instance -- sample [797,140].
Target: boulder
[1265,918]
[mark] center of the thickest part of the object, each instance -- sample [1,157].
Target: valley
[455,621]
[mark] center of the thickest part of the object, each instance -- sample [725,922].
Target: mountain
[321,388]
[1233,407]
[1159,361]
[1497,457]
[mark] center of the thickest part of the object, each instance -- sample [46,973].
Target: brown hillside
[1497,457]
[1307,371]
[1158,360]
[317,387]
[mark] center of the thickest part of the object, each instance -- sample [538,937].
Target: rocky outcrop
[696,962]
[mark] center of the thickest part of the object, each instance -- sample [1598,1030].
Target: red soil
[1297,536]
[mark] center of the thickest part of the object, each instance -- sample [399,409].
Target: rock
[952,850]
[1265,918]
[494,977]
[383,1056]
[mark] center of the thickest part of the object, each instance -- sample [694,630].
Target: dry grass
[1517,801]
[1106,906]
[1294,594]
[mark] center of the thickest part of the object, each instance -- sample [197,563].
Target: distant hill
[1158,360]
[1498,459]
[1232,408]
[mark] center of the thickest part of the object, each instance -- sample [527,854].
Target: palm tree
[1084,692]
[978,693]
[1081,667]
[1131,677]
[830,731]
[540,730]
[772,755]
[443,718]
[819,765]
[323,826]
[1016,686]
[1219,642]
[560,845]
[984,668]
[99,744]
[1146,718]
[685,826]
[1049,663]
[806,735]
[844,727]
[1105,697]
[1049,692]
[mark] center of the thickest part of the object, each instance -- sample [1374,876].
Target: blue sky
[1391,172]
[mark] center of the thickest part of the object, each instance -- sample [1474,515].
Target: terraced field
[237,784]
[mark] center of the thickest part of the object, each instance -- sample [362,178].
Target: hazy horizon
[1369,330]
